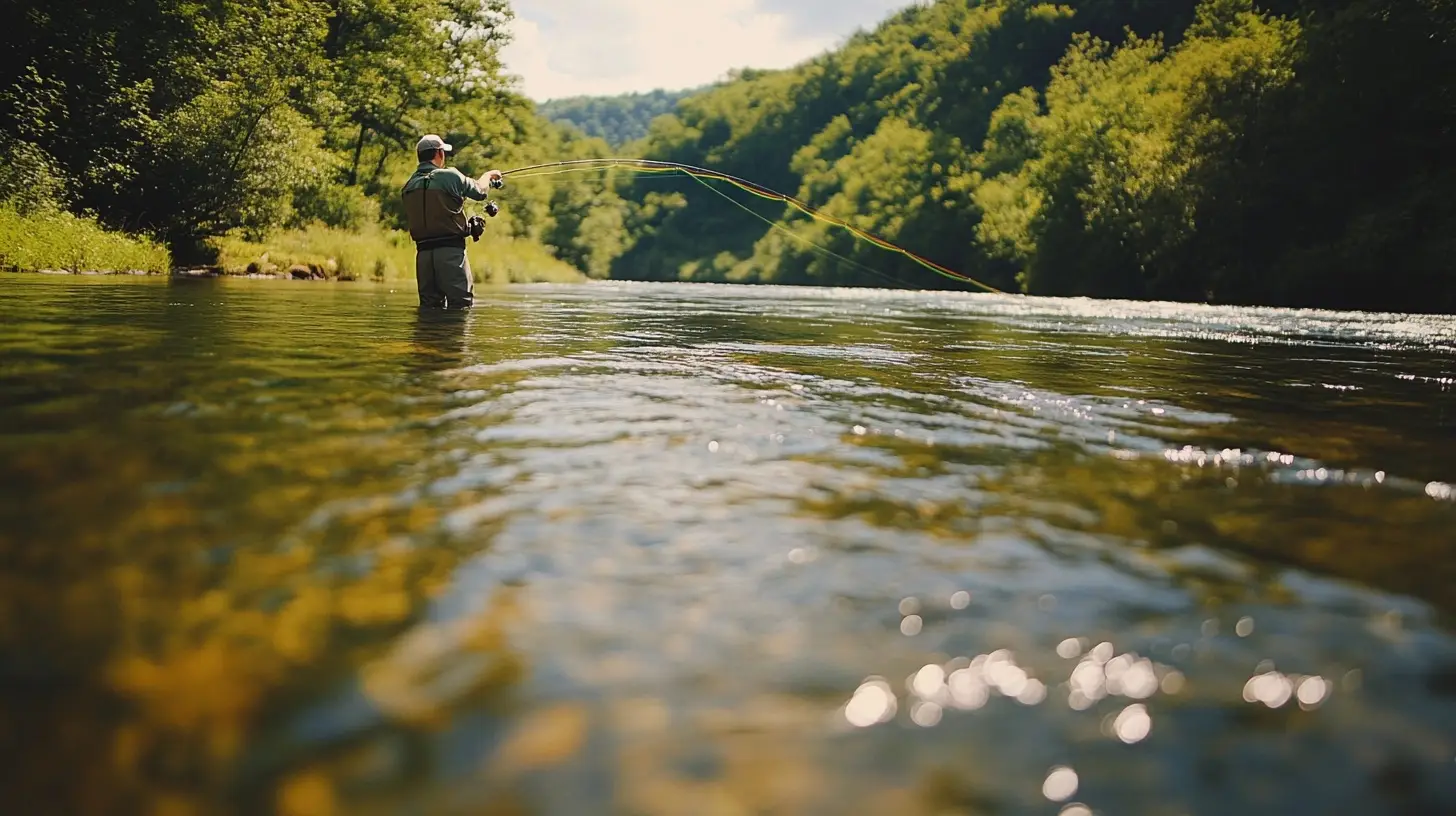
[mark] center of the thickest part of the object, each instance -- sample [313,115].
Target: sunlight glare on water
[661,549]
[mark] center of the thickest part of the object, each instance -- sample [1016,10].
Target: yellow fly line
[703,175]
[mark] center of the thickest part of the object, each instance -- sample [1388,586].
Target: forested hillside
[1284,152]
[1281,151]
[617,119]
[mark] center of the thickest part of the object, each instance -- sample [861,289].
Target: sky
[602,47]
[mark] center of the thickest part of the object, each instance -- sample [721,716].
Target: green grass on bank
[380,254]
[55,239]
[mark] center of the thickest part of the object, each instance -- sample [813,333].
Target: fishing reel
[491,207]
[476,224]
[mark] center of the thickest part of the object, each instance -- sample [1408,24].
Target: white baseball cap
[433,142]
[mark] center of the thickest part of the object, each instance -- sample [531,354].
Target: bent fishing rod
[702,175]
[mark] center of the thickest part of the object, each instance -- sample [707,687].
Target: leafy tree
[168,116]
[398,64]
[190,119]
[1335,190]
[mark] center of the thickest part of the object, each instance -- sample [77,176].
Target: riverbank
[380,254]
[57,242]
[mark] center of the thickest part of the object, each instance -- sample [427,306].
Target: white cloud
[832,15]
[572,47]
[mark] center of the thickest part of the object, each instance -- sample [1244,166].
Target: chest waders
[456,241]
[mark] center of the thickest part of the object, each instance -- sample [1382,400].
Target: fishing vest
[436,216]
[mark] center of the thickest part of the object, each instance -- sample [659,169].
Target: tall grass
[55,239]
[379,254]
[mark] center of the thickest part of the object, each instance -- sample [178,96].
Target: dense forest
[1292,152]
[1287,152]
[617,119]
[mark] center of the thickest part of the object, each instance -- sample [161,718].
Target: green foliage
[334,205]
[278,132]
[1106,179]
[400,68]
[1244,164]
[1247,151]
[1335,190]
[878,132]
[895,184]
[513,260]
[28,179]
[189,120]
[171,117]
[50,239]
[618,120]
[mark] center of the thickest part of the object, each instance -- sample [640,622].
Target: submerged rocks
[307,272]
[322,270]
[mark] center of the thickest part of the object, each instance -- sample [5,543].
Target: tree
[397,64]
[188,119]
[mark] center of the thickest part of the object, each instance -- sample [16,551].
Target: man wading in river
[434,202]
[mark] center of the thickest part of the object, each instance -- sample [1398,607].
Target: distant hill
[617,119]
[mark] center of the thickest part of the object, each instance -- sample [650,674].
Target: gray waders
[443,276]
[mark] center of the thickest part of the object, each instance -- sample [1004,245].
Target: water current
[686,549]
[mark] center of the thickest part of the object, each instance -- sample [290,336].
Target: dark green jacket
[434,202]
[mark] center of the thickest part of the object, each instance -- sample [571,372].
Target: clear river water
[300,548]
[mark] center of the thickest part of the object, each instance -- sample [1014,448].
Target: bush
[29,179]
[54,239]
[333,205]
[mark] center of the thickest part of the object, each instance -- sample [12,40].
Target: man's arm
[478,189]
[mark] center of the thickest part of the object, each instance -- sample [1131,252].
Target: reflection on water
[275,547]
[440,337]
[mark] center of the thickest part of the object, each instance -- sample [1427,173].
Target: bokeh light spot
[873,703]
[1134,724]
[1060,785]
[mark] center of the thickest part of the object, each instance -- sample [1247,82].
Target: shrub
[54,239]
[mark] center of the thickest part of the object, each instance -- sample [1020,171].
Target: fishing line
[667,174]
[542,178]
[702,174]
[781,228]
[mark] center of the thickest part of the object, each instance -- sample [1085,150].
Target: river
[687,549]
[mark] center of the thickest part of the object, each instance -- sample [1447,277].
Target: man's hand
[491,176]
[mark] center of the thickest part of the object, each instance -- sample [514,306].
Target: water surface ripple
[678,549]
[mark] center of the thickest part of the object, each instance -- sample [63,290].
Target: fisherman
[434,201]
